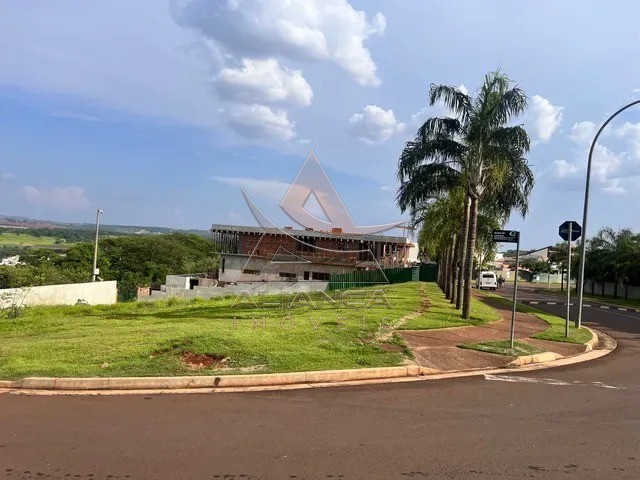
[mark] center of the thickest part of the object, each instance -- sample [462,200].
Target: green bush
[134,261]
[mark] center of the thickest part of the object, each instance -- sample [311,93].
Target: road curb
[278,381]
[220,381]
[594,342]
[535,358]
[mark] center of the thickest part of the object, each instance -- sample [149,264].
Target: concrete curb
[221,381]
[536,358]
[594,342]
[276,381]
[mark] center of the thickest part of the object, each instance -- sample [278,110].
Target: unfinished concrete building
[256,254]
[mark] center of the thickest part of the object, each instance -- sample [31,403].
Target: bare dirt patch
[392,347]
[203,361]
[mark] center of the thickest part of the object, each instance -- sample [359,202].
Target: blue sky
[157,111]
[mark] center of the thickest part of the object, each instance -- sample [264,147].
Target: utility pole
[515,293]
[583,246]
[94,273]
[566,323]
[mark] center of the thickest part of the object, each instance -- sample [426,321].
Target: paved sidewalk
[439,349]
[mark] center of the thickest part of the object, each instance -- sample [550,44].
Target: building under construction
[256,254]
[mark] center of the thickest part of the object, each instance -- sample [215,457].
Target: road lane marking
[606,307]
[550,381]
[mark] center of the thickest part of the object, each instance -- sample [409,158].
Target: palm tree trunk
[454,268]
[463,252]
[447,272]
[440,269]
[471,246]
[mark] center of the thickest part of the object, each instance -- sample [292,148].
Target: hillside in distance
[18,222]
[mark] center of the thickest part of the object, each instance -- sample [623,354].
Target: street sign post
[511,236]
[569,231]
[506,236]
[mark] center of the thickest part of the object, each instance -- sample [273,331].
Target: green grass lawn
[442,313]
[147,339]
[556,329]
[150,338]
[503,347]
[25,240]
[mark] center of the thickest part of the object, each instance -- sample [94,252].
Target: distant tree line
[614,256]
[611,256]
[67,235]
[133,261]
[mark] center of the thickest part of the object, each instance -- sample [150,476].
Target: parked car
[487,280]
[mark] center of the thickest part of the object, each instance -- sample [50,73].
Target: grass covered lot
[22,239]
[503,347]
[442,314]
[171,337]
[556,329]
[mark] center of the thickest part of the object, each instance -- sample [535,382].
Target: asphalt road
[581,421]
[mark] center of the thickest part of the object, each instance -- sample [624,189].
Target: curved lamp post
[583,246]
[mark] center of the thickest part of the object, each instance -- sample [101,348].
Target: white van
[487,280]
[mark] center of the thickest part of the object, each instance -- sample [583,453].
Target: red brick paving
[439,348]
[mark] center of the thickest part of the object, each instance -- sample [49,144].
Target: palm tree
[613,255]
[438,233]
[477,148]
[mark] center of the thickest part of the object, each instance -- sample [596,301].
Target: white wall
[94,293]
[178,281]
[269,271]
[254,288]
[609,288]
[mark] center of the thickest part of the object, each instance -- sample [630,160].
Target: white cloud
[385,188]
[71,198]
[583,132]
[374,125]
[631,133]
[263,81]
[564,169]
[273,190]
[606,165]
[463,89]
[309,30]
[259,121]
[545,116]
[609,171]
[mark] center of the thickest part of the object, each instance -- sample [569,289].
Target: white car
[487,280]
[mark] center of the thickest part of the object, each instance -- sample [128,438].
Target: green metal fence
[428,272]
[365,278]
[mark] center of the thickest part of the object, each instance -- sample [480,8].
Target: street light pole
[94,273]
[583,245]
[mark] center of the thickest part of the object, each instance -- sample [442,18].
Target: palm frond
[427,181]
[458,102]
[439,126]
[511,138]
